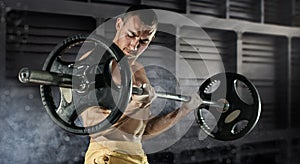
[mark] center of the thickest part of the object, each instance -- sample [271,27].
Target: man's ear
[119,24]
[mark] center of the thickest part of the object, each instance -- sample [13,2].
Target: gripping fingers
[149,91]
[148,94]
[194,103]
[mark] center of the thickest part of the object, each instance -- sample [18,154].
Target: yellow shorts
[115,152]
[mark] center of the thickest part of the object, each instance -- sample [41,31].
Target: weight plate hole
[239,126]
[243,92]
[115,73]
[232,116]
[207,119]
[67,94]
[212,87]
[78,51]
[55,93]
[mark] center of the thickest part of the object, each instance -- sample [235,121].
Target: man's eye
[144,41]
[130,35]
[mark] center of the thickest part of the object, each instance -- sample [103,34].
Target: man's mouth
[130,53]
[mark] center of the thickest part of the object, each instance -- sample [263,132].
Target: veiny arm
[159,124]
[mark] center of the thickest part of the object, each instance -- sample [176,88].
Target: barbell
[231,104]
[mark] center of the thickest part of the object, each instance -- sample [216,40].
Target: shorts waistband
[125,147]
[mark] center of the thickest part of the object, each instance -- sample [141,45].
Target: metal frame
[2,41]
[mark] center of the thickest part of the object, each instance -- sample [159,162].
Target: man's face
[133,36]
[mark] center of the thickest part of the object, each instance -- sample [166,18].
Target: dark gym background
[257,38]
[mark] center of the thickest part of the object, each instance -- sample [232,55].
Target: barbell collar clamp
[27,75]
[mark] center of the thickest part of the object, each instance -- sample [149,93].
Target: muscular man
[121,143]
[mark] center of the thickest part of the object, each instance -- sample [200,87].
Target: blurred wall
[259,39]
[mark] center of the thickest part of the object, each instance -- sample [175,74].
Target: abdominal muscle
[130,127]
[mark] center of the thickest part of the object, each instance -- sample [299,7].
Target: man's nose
[134,44]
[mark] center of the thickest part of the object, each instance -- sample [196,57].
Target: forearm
[160,124]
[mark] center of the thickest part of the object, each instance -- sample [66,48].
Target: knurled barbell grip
[172,96]
[165,95]
[177,97]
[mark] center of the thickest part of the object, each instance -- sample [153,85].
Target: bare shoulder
[138,68]
[139,73]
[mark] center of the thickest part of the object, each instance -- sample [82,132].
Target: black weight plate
[244,106]
[64,114]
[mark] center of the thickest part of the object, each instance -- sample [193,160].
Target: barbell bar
[27,75]
[182,98]
[220,91]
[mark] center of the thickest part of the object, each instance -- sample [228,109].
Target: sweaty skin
[136,124]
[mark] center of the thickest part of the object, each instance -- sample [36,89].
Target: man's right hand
[194,103]
[147,97]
